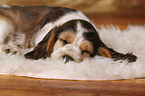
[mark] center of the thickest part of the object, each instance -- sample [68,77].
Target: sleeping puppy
[54,32]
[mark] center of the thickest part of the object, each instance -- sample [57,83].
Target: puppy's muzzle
[69,53]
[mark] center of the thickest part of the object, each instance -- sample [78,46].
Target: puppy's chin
[56,56]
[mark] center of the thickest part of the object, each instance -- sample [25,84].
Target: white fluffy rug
[131,39]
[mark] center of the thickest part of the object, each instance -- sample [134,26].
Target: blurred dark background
[114,7]
[100,11]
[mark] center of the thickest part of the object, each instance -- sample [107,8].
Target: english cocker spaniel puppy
[54,32]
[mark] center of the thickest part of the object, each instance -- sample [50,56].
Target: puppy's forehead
[85,30]
[85,27]
[79,31]
[76,31]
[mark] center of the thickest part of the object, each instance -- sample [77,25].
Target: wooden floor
[22,86]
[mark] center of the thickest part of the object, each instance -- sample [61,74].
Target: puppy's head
[78,42]
[75,40]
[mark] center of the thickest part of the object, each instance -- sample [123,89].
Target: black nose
[67,58]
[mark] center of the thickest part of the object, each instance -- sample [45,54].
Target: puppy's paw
[11,50]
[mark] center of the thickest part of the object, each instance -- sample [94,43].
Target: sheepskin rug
[131,39]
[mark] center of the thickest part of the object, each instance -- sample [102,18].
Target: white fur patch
[5,29]
[98,68]
[67,17]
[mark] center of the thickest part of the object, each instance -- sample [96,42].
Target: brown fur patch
[87,46]
[105,52]
[50,44]
[68,36]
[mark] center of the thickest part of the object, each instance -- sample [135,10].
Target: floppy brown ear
[108,52]
[43,49]
[50,44]
[104,52]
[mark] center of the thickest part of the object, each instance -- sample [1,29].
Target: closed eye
[85,51]
[64,41]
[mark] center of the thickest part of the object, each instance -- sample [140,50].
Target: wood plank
[22,86]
